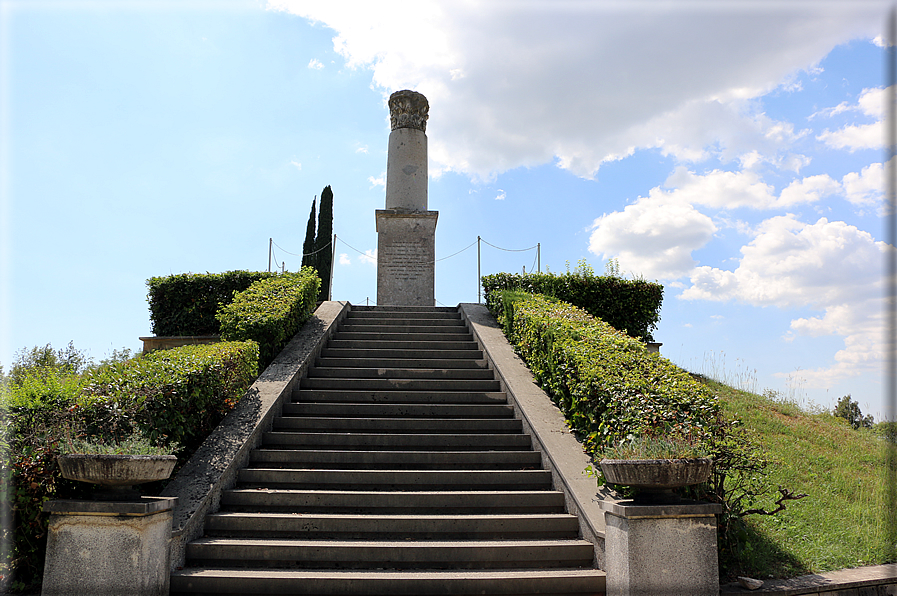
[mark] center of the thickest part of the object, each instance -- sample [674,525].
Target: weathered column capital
[408,109]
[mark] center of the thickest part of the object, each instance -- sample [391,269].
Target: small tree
[308,247]
[850,411]
[324,253]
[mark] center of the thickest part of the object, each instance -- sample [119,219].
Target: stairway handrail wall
[214,466]
[561,453]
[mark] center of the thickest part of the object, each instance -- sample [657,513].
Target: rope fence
[536,266]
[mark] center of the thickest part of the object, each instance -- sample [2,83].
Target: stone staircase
[397,469]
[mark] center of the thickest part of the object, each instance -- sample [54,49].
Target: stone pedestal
[406,229]
[108,548]
[406,248]
[661,549]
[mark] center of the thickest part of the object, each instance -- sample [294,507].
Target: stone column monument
[406,230]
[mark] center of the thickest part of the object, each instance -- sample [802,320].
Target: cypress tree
[324,256]
[308,247]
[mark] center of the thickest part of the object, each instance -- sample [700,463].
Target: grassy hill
[842,521]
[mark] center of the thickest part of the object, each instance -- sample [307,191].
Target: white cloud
[378,181]
[653,237]
[315,64]
[858,136]
[362,149]
[501,195]
[865,187]
[344,259]
[854,137]
[529,81]
[369,257]
[791,264]
[296,164]
[830,266]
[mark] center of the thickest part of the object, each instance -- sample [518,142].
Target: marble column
[406,229]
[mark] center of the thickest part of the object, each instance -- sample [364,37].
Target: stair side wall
[561,453]
[215,464]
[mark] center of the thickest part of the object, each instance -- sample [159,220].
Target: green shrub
[632,306]
[607,384]
[186,304]
[168,397]
[615,394]
[271,311]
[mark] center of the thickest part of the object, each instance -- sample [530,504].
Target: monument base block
[108,548]
[661,549]
[406,253]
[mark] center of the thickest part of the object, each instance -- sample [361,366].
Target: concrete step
[393,397]
[398,425]
[444,334]
[402,354]
[404,314]
[396,442]
[301,582]
[452,385]
[397,308]
[432,363]
[384,344]
[395,460]
[317,526]
[345,554]
[401,373]
[394,325]
[391,502]
[398,480]
[361,410]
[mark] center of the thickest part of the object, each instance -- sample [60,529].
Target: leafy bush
[631,306]
[168,397]
[186,304]
[616,396]
[271,311]
[607,384]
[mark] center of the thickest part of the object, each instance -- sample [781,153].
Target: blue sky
[730,150]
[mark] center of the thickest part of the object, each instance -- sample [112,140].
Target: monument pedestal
[108,548]
[661,549]
[406,254]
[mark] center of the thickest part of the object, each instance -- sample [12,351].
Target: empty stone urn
[117,474]
[655,479]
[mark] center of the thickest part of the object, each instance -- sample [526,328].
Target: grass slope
[841,523]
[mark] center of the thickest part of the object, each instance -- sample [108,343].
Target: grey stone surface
[561,453]
[103,551]
[142,506]
[406,249]
[408,109]
[649,553]
[684,508]
[406,170]
[874,580]
[215,464]
[406,230]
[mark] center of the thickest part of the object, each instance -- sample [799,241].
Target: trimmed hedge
[606,383]
[169,396]
[271,311]
[179,395]
[186,304]
[632,306]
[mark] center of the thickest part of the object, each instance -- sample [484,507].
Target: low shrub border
[271,311]
[171,397]
[186,303]
[611,389]
[632,306]
[606,383]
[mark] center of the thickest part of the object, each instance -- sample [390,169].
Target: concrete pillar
[661,549]
[108,548]
[406,230]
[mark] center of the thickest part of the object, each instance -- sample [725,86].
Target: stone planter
[655,479]
[117,474]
